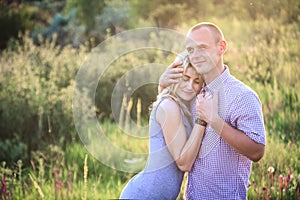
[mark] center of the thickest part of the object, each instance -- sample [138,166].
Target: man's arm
[207,108]
[242,143]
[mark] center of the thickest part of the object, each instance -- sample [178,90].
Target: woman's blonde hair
[170,91]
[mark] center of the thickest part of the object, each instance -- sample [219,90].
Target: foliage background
[44,43]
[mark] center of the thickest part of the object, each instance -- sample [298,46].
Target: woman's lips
[188,92]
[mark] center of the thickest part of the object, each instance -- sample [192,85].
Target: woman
[174,144]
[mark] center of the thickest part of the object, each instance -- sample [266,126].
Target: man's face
[203,50]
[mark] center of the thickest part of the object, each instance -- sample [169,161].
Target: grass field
[262,53]
[76,174]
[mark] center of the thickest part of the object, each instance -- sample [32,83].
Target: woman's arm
[191,149]
[184,150]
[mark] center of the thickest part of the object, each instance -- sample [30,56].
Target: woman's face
[190,85]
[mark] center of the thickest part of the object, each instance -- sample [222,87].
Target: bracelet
[200,122]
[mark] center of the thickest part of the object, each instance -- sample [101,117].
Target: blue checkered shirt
[219,172]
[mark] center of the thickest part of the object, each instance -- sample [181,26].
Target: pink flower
[280,177]
[3,186]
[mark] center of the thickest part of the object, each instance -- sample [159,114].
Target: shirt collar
[218,82]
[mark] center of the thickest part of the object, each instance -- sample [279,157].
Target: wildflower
[271,170]
[264,189]
[37,187]
[57,184]
[249,184]
[3,186]
[280,177]
[285,181]
[288,180]
[264,192]
[25,186]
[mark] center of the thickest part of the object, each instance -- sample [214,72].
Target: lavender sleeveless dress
[161,178]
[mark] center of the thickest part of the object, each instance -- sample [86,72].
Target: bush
[36,86]
[14,20]
[37,82]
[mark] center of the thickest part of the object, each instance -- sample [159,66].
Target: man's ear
[223,46]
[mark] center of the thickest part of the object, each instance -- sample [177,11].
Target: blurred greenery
[44,43]
[281,162]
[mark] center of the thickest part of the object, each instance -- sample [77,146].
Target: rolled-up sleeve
[246,115]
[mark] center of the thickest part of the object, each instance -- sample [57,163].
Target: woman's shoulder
[168,107]
[169,104]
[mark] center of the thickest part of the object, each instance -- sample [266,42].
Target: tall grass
[277,175]
[78,175]
[41,80]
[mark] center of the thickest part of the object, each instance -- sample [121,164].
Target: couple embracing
[204,122]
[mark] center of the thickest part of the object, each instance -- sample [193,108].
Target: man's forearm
[242,143]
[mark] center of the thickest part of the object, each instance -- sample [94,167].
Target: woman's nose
[190,84]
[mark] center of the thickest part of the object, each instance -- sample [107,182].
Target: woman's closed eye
[197,81]
[187,78]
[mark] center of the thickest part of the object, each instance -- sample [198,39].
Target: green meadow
[43,155]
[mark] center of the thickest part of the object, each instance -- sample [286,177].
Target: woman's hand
[207,110]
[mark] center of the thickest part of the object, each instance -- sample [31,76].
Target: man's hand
[172,75]
[207,110]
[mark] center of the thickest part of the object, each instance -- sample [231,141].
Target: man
[234,135]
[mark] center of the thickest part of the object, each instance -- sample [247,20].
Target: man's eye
[202,47]
[189,49]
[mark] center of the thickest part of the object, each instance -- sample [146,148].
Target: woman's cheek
[197,88]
